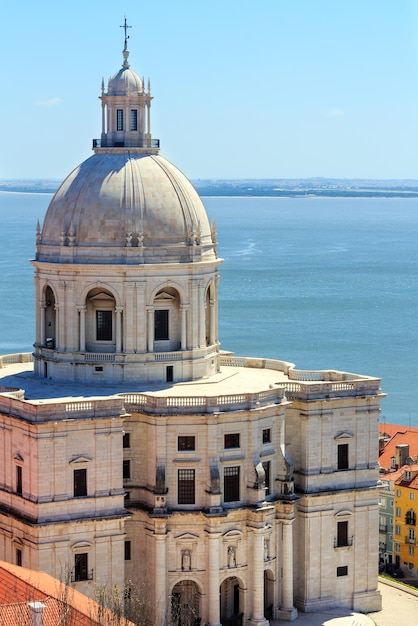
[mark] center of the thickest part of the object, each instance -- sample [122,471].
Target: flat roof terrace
[242,383]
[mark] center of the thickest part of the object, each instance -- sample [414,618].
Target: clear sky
[242,89]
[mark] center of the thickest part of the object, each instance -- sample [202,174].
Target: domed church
[227,490]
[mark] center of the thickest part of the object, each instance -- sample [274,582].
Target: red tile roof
[392,429]
[398,435]
[63,604]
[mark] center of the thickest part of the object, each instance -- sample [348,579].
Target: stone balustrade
[45,411]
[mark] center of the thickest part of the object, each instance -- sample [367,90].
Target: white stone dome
[125,82]
[120,206]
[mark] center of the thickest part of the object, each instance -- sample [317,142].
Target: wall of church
[61,492]
[338,568]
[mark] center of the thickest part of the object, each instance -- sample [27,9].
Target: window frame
[266,435]
[133,120]
[19,480]
[161,325]
[80,482]
[343,462]
[232,440]
[81,569]
[186,486]
[232,476]
[342,570]
[104,325]
[126,469]
[126,440]
[186,443]
[119,119]
[342,534]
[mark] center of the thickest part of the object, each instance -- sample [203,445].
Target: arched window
[167,320]
[49,332]
[100,321]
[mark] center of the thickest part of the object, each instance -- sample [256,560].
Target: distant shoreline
[280,188]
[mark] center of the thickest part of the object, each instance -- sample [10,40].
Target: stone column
[258,579]
[42,309]
[160,586]
[287,610]
[201,314]
[150,327]
[118,313]
[212,309]
[183,340]
[216,309]
[58,341]
[82,331]
[213,580]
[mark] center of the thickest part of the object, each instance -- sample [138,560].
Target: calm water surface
[326,283]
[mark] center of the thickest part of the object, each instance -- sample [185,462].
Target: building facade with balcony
[232,490]
[386,521]
[405,485]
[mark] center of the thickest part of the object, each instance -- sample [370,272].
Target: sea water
[325,283]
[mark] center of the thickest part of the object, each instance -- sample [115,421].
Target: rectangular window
[397,547]
[411,535]
[266,467]
[19,484]
[410,518]
[186,443]
[342,571]
[119,119]
[398,511]
[19,557]
[126,469]
[342,534]
[134,119]
[342,456]
[411,550]
[80,567]
[398,493]
[411,495]
[127,550]
[169,374]
[161,324]
[231,484]
[267,435]
[397,530]
[80,483]
[126,440]
[186,486]
[231,440]
[104,325]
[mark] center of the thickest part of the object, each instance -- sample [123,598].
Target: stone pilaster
[257,586]
[213,579]
[287,611]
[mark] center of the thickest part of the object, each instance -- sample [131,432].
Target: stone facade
[229,490]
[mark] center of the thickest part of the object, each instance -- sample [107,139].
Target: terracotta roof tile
[401,437]
[19,585]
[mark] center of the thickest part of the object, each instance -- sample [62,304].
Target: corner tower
[126,270]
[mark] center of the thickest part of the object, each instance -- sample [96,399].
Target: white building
[231,489]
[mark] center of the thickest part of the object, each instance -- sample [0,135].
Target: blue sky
[261,89]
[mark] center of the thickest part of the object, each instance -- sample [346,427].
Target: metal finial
[125,27]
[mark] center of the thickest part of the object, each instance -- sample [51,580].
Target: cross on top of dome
[125,53]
